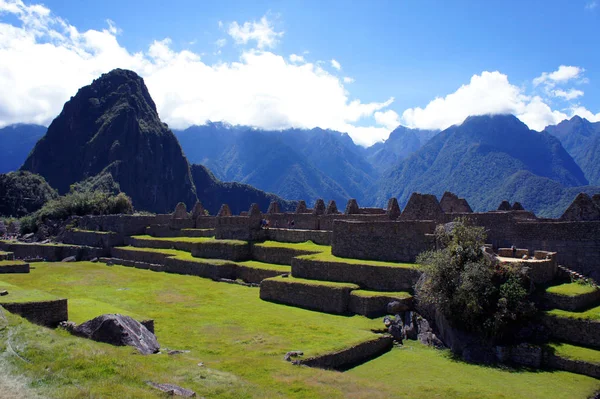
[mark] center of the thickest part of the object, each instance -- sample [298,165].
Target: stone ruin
[273,208]
[504,206]
[224,211]
[450,203]
[180,211]
[352,207]
[422,207]
[517,207]
[319,208]
[393,209]
[331,208]
[198,210]
[583,208]
[254,211]
[301,208]
[596,199]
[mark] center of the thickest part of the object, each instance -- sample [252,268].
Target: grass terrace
[190,240]
[374,294]
[11,262]
[84,309]
[571,289]
[326,256]
[236,343]
[300,246]
[17,294]
[590,314]
[575,352]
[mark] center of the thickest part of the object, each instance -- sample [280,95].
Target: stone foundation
[207,269]
[45,313]
[100,239]
[222,250]
[577,331]
[16,267]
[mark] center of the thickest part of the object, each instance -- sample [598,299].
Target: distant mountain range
[112,126]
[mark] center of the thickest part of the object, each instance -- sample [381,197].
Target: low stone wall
[139,256]
[222,250]
[307,294]
[375,306]
[52,253]
[326,222]
[377,278]
[179,224]
[7,255]
[132,263]
[320,237]
[92,238]
[350,357]
[279,256]
[17,267]
[255,275]
[206,222]
[159,244]
[162,230]
[45,313]
[574,366]
[125,225]
[577,331]
[571,303]
[213,271]
[388,241]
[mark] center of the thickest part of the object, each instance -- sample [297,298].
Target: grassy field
[590,314]
[240,342]
[571,289]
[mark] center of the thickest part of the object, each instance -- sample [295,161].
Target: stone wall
[571,303]
[254,275]
[161,230]
[378,278]
[222,250]
[396,241]
[350,357]
[215,271]
[577,331]
[279,256]
[321,237]
[139,256]
[239,228]
[51,253]
[45,313]
[17,267]
[307,294]
[574,366]
[92,238]
[160,244]
[375,306]
[123,224]
[206,222]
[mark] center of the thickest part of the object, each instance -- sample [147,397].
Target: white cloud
[584,113]
[390,119]
[262,32]
[221,43]
[295,58]
[568,95]
[488,93]
[112,28]
[336,64]
[562,75]
[590,5]
[262,88]
[348,79]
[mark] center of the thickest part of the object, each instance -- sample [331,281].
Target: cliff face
[112,126]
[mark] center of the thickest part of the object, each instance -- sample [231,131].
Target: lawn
[571,289]
[240,342]
[590,314]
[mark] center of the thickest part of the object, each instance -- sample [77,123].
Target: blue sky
[411,51]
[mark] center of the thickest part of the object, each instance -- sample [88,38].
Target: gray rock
[94,260]
[288,356]
[173,390]
[3,293]
[119,330]
[69,259]
[410,326]
[396,307]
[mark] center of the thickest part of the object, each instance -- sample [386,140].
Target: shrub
[473,292]
[23,192]
[78,204]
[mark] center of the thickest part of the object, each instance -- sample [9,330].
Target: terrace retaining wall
[16,268]
[52,253]
[577,331]
[92,238]
[45,313]
[320,237]
[279,256]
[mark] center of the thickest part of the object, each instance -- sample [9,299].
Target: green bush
[22,193]
[472,291]
[78,204]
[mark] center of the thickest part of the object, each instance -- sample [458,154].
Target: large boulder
[119,330]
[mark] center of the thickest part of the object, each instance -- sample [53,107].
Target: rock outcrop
[112,126]
[119,330]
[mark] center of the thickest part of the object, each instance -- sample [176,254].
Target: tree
[473,291]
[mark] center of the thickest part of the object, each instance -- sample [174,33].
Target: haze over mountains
[112,126]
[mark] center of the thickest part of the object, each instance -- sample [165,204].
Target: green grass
[372,294]
[240,340]
[84,309]
[190,239]
[575,352]
[93,231]
[417,371]
[265,266]
[590,314]
[11,262]
[571,289]
[196,230]
[326,256]
[177,254]
[17,294]
[300,246]
[315,283]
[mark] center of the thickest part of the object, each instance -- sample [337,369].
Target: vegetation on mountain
[111,126]
[477,158]
[581,138]
[468,288]
[22,193]
[16,141]
[401,143]
[213,193]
